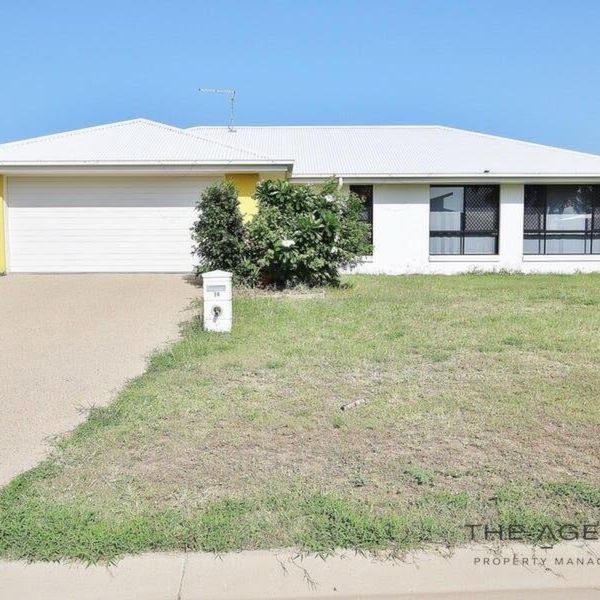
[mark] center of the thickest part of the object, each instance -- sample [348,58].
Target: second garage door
[112,224]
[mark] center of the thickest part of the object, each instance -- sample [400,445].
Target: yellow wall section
[276,175]
[246,185]
[2,237]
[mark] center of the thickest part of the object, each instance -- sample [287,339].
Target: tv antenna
[231,94]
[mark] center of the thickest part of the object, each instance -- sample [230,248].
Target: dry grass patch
[480,404]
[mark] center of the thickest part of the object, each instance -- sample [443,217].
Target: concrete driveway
[68,342]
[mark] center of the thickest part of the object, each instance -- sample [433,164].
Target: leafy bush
[220,238]
[301,235]
[304,235]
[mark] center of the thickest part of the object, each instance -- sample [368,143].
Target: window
[366,193]
[464,219]
[562,219]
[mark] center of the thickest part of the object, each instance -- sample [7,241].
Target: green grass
[479,405]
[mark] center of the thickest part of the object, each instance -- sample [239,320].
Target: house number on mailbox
[215,289]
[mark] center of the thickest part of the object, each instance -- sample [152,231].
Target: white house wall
[72,224]
[401,238]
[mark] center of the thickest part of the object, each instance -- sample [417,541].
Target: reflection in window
[365,192]
[464,219]
[562,219]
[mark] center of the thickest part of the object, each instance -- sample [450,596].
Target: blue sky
[528,70]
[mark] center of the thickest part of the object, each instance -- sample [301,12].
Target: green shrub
[301,235]
[219,234]
[304,235]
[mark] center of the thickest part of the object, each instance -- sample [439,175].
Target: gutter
[453,178]
[174,168]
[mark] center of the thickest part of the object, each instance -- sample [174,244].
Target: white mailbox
[217,290]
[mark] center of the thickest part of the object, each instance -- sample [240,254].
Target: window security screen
[464,219]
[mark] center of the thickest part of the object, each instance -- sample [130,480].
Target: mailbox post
[217,289]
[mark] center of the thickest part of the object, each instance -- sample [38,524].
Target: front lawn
[480,403]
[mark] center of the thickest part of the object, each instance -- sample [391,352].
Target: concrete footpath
[570,570]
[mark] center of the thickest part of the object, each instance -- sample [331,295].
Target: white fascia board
[449,179]
[141,168]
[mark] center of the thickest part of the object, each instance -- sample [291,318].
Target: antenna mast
[231,94]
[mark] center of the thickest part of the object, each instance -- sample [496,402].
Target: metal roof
[138,141]
[369,152]
[404,151]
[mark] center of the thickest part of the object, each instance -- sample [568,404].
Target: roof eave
[143,167]
[449,177]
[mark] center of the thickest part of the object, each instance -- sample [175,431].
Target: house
[121,197]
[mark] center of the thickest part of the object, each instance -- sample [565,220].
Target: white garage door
[83,224]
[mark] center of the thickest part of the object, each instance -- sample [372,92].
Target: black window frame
[365,192]
[465,230]
[538,195]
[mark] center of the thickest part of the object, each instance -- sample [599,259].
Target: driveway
[68,342]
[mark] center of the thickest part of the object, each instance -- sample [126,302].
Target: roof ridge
[150,122]
[71,132]
[185,132]
[317,127]
[200,137]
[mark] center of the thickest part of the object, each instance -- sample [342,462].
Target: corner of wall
[3,251]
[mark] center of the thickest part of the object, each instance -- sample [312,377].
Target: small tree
[304,235]
[219,234]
